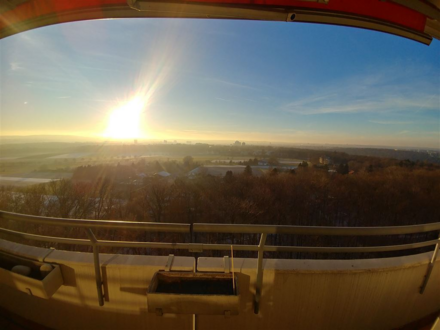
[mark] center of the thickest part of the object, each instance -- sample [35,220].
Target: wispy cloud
[224,100]
[101,100]
[15,66]
[390,122]
[229,83]
[374,104]
[373,93]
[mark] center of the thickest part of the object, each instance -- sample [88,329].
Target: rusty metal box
[193,293]
[34,284]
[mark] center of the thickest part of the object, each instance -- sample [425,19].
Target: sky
[208,80]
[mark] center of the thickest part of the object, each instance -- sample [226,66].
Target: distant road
[39,177]
[16,181]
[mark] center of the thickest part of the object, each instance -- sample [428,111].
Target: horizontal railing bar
[155,245]
[109,224]
[50,239]
[225,228]
[222,247]
[178,246]
[361,249]
[315,230]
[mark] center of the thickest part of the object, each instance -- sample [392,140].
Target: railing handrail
[315,230]
[224,228]
[88,223]
[200,247]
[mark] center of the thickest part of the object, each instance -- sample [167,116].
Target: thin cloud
[229,84]
[309,100]
[390,122]
[374,104]
[222,99]
[236,100]
[374,93]
[15,66]
[102,100]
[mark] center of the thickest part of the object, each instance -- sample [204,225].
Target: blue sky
[223,80]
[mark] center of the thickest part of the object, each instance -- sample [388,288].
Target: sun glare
[124,121]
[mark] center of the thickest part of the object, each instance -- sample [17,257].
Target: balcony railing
[263,230]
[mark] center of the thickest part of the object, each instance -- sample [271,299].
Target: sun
[124,121]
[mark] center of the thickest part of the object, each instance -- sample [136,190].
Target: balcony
[111,291]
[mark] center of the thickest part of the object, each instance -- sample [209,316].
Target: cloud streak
[229,84]
[390,122]
[15,66]
[373,93]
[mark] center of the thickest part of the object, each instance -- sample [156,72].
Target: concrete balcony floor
[10,321]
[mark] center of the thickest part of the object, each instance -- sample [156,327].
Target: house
[221,170]
[325,160]
[163,174]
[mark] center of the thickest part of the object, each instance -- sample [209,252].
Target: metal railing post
[98,277]
[430,267]
[259,282]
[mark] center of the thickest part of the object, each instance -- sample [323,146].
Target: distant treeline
[400,154]
[339,154]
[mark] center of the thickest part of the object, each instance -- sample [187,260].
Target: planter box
[193,293]
[34,284]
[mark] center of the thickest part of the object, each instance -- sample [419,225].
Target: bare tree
[64,197]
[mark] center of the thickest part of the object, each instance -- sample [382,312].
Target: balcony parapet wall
[300,294]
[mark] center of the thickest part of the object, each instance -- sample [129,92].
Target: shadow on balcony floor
[426,323]
[10,321]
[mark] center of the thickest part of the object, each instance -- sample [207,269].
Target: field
[27,164]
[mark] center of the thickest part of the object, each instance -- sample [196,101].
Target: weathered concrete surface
[331,294]
[297,294]
[75,304]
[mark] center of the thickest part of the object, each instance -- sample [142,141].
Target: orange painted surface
[385,11]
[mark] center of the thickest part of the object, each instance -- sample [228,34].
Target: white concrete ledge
[24,251]
[341,266]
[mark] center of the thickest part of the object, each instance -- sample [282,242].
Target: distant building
[221,170]
[163,174]
[325,160]
[263,162]
[237,143]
